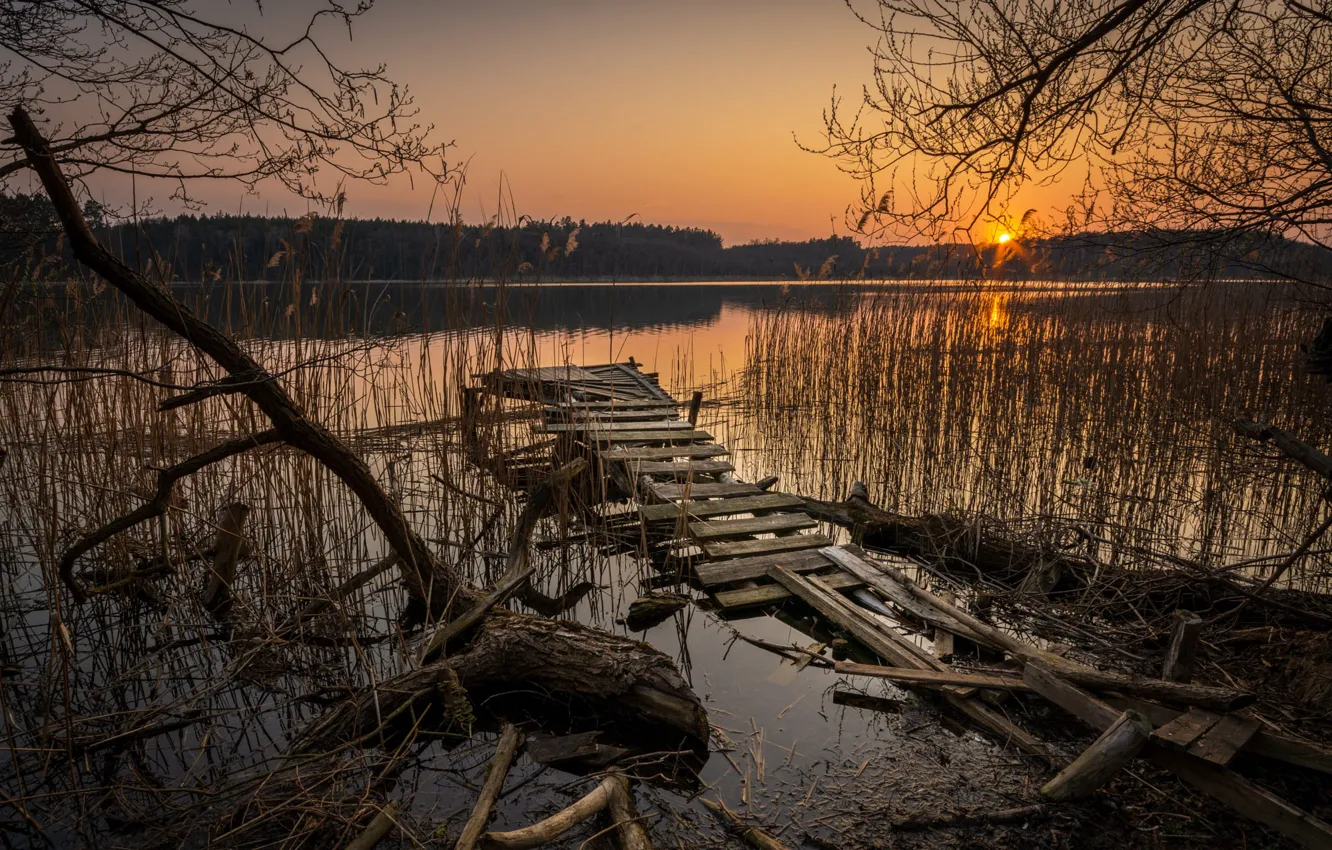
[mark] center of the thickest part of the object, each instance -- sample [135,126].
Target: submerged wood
[632,833]
[751,835]
[497,770]
[647,611]
[546,831]
[1116,747]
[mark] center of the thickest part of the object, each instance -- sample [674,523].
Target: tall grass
[1108,409]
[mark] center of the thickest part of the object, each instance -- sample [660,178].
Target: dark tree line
[255,248]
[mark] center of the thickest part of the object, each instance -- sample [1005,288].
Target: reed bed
[1049,406]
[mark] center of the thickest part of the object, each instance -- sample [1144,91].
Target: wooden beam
[614,427]
[679,467]
[721,507]
[1219,744]
[771,524]
[664,452]
[933,678]
[1184,634]
[770,593]
[767,545]
[1108,754]
[659,436]
[747,569]
[677,492]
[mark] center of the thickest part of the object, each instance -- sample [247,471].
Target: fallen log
[629,826]
[505,749]
[377,830]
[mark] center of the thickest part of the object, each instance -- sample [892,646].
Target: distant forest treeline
[257,248]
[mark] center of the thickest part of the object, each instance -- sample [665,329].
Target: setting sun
[1005,237]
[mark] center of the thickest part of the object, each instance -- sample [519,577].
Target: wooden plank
[1250,800]
[745,569]
[770,593]
[1069,697]
[901,596]
[593,417]
[622,453]
[665,436]
[876,639]
[615,404]
[1219,744]
[740,548]
[935,678]
[1181,732]
[721,507]
[1225,785]
[1266,743]
[614,427]
[770,524]
[675,492]
[679,467]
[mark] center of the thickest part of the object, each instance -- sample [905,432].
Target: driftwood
[377,830]
[546,831]
[751,835]
[1018,814]
[1117,746]
[498,769]
[629,826]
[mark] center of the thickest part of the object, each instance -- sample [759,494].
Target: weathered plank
[720,507]
[773,523]
[664,436]
[615,427]
[901,596]
[675,492]
[1219,744]
[1266,743]
[615,404]
[744,569]
[1230,788]
[740,548]
[680,467]
[585,417]
[664,452]
[1108,754]
[935,678]
[1181,732]
[770,593]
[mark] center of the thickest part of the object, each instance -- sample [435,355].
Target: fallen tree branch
[427,579]
[545,831]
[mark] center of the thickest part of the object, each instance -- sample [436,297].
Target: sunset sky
[685,112]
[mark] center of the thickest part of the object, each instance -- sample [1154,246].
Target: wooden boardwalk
[748,547]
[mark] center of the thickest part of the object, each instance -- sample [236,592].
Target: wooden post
[485,801]
[943,639]
[694,404]
[1183,648]
[377,829]
[1116,747]
[227,544]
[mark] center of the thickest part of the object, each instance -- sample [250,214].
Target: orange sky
[682,112]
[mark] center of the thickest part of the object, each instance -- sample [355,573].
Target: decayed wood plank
[615,404]
[900,651]
[680,467]
[675,492]
[1108,754]
[615,427]
[744,569]
[1225,785]
[1186,728]
[716,529]
[662,436]
[935,678]
[583,417]
[901,596]
[770,593]
[739,548]
[664,452]
[1219,744]
[1266,743]
[721,507]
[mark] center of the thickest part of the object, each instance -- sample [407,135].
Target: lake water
[1108,408]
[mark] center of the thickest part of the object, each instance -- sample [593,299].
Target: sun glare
[1005,237]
